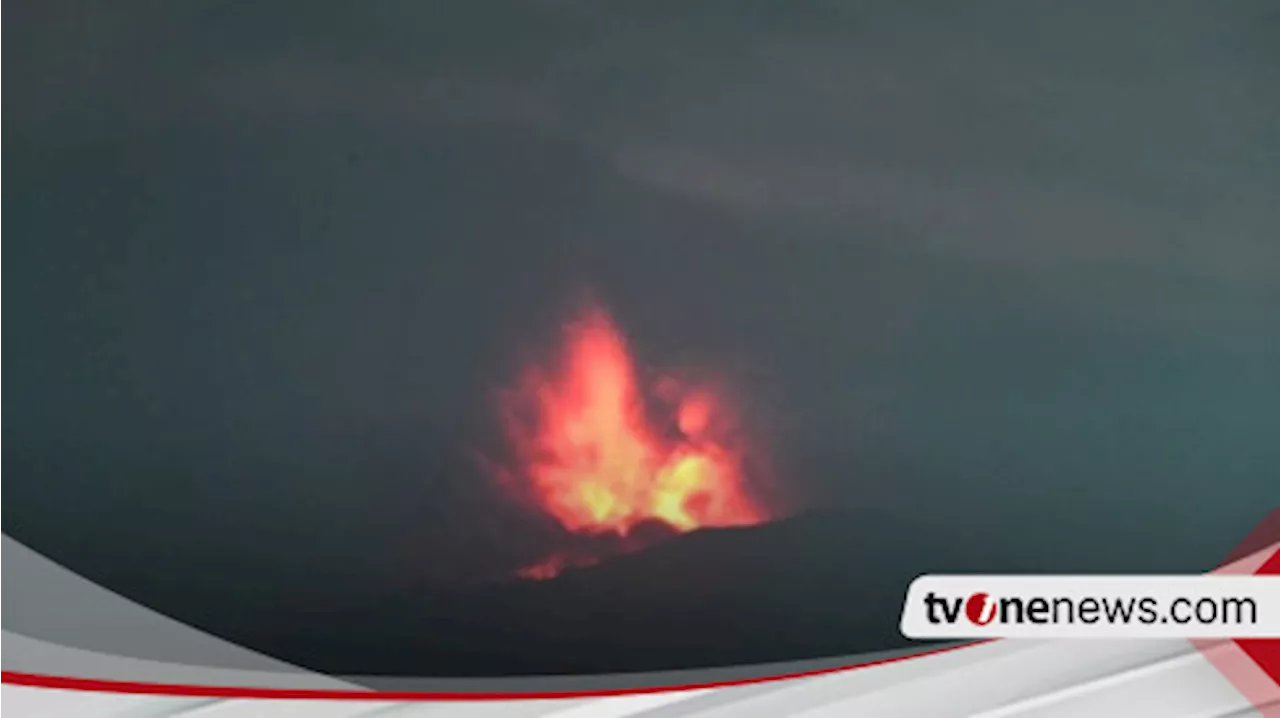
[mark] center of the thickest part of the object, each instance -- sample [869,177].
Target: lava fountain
[603,459]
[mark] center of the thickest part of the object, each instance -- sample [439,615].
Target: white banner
[1092,607]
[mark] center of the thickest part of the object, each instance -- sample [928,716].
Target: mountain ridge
[813,585]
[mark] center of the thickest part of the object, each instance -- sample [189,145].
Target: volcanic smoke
[589,454]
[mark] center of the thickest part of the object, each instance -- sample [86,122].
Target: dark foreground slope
[811,586]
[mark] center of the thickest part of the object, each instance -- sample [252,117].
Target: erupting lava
[590,456]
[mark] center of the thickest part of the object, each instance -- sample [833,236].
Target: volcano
[812,585]
[616,466]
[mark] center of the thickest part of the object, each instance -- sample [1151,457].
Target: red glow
[590,457]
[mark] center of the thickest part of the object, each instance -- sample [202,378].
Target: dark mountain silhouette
[817,585]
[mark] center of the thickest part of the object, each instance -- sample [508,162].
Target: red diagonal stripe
[1263,535]
[1266,652]
[1253,655]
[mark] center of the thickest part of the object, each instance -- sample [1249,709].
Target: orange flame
[590,457]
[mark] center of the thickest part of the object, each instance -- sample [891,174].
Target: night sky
[1007,267]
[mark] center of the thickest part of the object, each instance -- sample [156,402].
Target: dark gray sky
[1014,264]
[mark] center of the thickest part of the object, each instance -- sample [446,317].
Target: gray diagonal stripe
[57,607]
